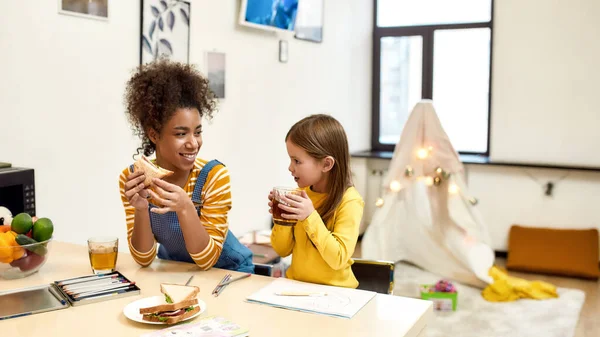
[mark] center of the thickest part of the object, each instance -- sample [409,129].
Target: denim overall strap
[197,193]
[234,255]
[166,227]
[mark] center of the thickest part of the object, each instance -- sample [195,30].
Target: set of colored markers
[96,286]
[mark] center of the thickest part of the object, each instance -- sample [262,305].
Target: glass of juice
[103,252]
[278,192]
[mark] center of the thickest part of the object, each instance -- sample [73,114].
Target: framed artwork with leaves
[165,27]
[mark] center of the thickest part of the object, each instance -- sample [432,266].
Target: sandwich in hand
[150,170]
[180,303]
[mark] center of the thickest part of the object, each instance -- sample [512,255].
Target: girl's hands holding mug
[300,206]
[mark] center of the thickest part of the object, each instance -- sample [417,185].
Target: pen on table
[217,287]
[190,280]
[221,286]
[235,279]
[299,293]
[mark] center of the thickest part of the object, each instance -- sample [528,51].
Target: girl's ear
[153,135]
[328,163]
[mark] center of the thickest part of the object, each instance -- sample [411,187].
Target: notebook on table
[313,298]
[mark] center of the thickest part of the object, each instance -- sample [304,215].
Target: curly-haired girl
[185,213]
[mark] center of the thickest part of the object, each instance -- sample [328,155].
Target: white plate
[132,310]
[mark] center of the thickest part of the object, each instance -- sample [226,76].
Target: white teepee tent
[428,217]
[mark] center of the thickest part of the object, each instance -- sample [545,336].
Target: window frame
[427,32]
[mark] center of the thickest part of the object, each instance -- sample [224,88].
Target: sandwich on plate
[180,303]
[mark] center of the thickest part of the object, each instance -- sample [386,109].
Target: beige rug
[476,317]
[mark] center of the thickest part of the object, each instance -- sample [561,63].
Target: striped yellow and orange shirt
[216,198]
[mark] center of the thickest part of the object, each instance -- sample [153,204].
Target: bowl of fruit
[24,245]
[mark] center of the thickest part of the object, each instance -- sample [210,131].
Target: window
[433,49]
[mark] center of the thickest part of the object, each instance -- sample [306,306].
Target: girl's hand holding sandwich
[136,191]
[171,197]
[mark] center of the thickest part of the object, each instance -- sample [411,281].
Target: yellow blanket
[507,288]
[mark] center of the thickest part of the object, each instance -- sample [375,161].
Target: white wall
[544,70]
[545,82]
[61,109]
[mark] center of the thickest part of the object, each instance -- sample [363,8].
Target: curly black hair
[156,90]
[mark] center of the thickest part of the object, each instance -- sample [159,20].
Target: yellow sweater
[319,255]
[216,197]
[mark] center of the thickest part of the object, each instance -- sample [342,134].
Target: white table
[384,315]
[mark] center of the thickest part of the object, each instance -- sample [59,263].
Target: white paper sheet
[326,300]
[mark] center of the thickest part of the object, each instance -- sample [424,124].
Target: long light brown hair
[321,136]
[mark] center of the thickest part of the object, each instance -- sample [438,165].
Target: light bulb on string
[439,170]
[453,189]
[428,181]
[379,202]
[422,153]
[395,186]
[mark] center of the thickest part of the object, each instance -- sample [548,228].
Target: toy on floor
[444,286]
[443,294]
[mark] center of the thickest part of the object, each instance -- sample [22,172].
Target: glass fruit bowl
[21,260]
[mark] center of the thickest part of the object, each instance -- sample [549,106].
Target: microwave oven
[17,190]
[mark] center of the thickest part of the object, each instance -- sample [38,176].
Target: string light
[437,181]
[408,171]
[452,189]
[395,186]
[379,202]
[446,175]
[422,153]
[473,201]
[439,170]
[428,181]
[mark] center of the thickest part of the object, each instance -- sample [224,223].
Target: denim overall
[167,232]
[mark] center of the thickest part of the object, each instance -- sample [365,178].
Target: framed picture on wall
[215,71]
[309,20]
[165,27]
[91,9]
